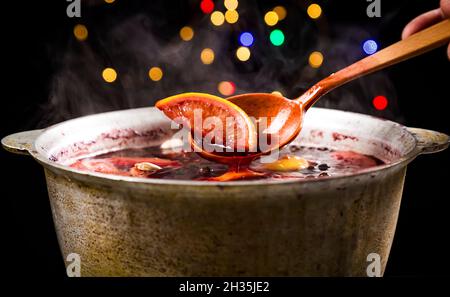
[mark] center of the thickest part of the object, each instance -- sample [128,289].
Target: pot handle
[429,141]
[20,143]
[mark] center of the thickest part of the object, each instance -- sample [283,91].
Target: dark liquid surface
[179,165]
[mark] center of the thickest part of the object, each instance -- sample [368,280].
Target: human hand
[428,19]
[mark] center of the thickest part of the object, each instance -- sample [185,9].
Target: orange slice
[212,120]
[287,163]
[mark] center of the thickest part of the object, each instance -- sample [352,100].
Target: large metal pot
[130,226]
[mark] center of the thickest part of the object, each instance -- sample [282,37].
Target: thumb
[422,21]
[445,7]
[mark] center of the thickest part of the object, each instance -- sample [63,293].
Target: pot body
[126,226]
[272,230]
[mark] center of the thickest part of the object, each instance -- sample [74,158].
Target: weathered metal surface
[21,142]
[278,229]
[429,141]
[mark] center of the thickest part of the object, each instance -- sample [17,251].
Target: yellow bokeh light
[315,59]
[109,1]
[109,75]
[243,53]
[277,93]
[186,33]
[155,73]
[314,11]
[231,16]
[80,32]
[207,56]
[281,12]
[231,4]
[271,18]
[226,88]
[217,18]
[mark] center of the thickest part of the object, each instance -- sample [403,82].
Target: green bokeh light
[277,37]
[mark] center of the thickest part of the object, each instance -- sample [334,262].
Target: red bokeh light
[207,6]
[380,102]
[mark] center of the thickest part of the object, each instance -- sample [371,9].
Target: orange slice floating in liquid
[287,163]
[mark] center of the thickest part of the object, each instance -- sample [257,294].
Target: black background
[33,32]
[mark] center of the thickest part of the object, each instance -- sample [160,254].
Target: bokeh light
[281,12]
[380,102]
[80,32]
[277,93]
[186,33]
[217,18]
[155,73]
[277,37]
[109,75]
[231,4]
[246,39]
[315,59]
[109,1]
[207,56]
[271,18]
[226,88]
[243,53]
[207,6]
[370,47]
[314,11]
[231,16]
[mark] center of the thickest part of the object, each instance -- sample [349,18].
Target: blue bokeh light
[370,46]
[246,39]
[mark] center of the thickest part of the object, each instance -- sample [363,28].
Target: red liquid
[178,165]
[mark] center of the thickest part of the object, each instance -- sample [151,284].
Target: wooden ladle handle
[412,46]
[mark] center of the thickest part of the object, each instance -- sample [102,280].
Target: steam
[132,45]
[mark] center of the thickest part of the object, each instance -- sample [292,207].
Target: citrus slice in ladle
[218,126]
[220,131]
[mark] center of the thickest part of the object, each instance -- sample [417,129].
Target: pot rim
[139,180]
[422,144]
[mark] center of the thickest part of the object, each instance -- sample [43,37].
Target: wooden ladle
[284,116]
